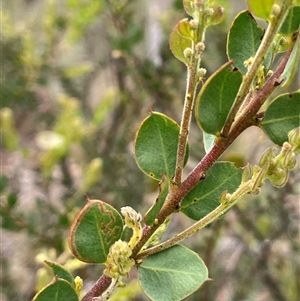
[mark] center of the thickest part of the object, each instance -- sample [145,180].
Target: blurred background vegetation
[78,77]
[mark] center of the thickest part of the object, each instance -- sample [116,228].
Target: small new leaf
[243,39]
[181,38]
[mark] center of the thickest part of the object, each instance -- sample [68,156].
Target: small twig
[98,288]
[190,95]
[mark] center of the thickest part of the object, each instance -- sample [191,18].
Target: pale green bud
[200,47]
[78,285]
[194,24]
[217,16]
[294,139]
[275,10]
[201,73]
[225,197]
[286,158]
[279,177]
[247,173]
[188,52]
[267,157]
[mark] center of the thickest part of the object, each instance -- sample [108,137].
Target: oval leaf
[243,39]
[155,146]
[205,196]
[172,275]
[261,8]
[97,226]
[60,272]
[180,39]
[282,115]
[216,97]
[57,290]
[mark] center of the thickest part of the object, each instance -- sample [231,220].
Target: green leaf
[153,211]
[282,115]
[216,97]
[291,22]
[60,272]
[205,196]
[189,7]
[292,65]
[261,9]
[57,290]
[208,141]
[180,39]
[155,146]
[97,226]
[172,275]
[243,39]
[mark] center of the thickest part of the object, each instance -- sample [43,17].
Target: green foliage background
[77,79]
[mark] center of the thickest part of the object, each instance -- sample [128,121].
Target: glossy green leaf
[172,275]
[282,115]
[60,272]
[151,214]
[205,196]
[155,146]
[57,290]
[216,97]
[180,39]
[243,39]
[97,226]
[292,65]
[261,8]
[292,21]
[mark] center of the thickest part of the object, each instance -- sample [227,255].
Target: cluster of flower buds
[212,14]
[273,167]
[278,166]
[118,262]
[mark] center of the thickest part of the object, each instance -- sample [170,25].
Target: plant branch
[273,81]
[190,95]
[98,288]
[272,29]
[246,120]
[213,215]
